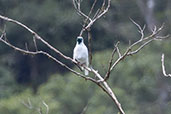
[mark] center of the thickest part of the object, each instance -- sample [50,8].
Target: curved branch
[36,36]
[163,67]
[48,55]
[141,43]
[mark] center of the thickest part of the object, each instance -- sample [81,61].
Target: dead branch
[77,6]
[49,56]
[88,21]
[163,67]
[110,62]
[141,43]
[108,90]
[36,36]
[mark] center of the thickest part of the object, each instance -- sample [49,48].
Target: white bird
[80,54]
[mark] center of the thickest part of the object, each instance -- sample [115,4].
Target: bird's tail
[86,72]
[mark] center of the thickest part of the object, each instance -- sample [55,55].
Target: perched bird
[80,54]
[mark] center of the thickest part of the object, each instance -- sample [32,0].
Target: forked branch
[140,44]
[36,36]
[89,20]
[111,61]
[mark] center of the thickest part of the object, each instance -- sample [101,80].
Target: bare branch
[163,67]
[99,15]
[35,44]
[104,86]
[49,56]
[142,46]
[118,51]
[162,37]
[141,30]
[110,62]
[88,21]
[92,8]
[108,90]
[42,52]
[120,58]
[141,43]
[77,6]
[36,36]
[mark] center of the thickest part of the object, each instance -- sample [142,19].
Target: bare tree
[89,20]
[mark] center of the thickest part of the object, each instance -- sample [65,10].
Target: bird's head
[80,39]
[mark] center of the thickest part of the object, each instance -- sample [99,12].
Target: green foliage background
[137,81]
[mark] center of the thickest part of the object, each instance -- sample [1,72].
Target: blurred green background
[137,81]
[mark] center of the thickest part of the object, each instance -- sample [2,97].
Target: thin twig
[99,15]
[110,62]
[118,51]
[35,44]
[78,9]
[142,46]
[87,19]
